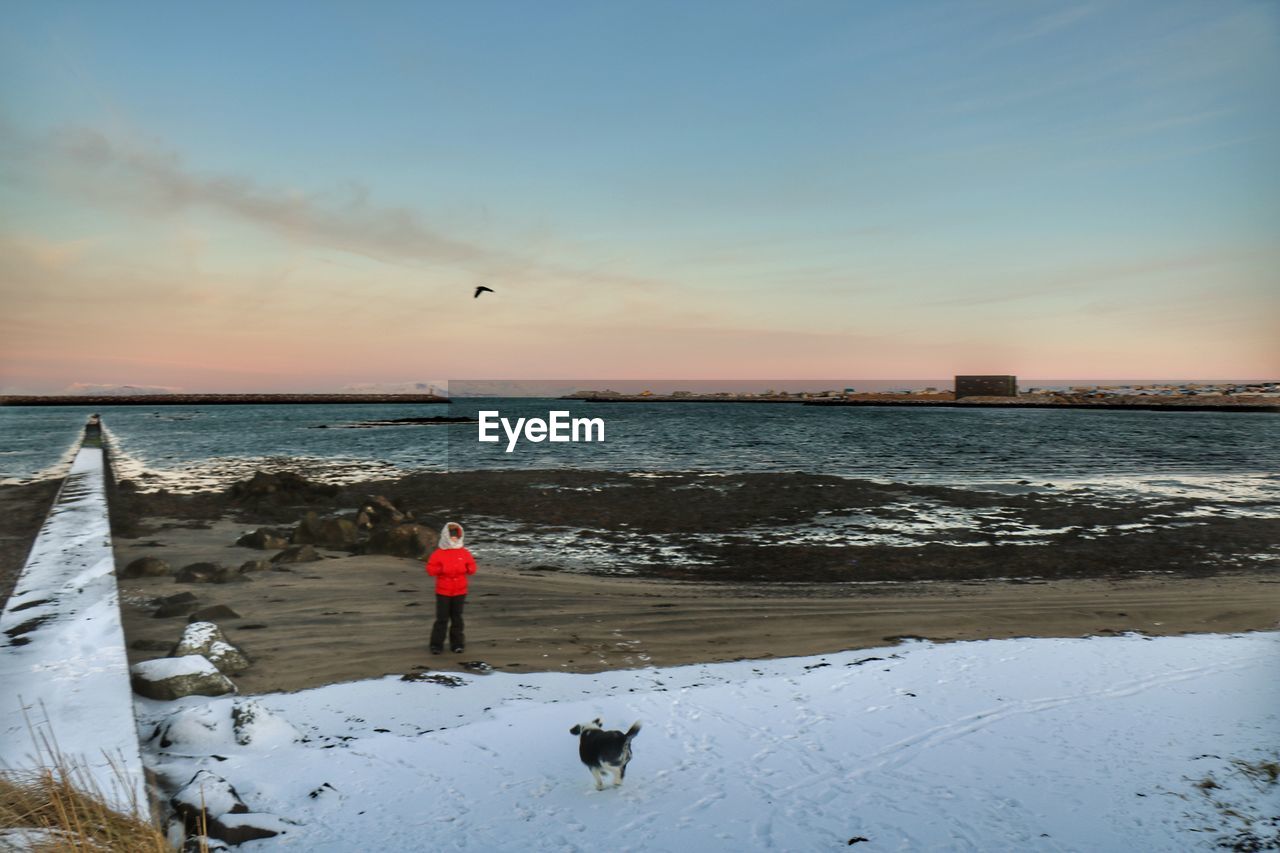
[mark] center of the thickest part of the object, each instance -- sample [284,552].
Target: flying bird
[482,289]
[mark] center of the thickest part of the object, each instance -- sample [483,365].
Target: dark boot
[441,624]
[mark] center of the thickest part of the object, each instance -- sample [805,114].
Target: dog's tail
[634,730]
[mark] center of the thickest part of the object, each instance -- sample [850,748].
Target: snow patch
[1057,744]
[162,668]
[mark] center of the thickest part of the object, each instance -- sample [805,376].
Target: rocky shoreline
[754,528]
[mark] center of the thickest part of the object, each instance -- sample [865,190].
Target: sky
[301,197]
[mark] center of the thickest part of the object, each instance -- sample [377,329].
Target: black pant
[448,615]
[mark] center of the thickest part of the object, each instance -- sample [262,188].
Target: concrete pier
[64,674]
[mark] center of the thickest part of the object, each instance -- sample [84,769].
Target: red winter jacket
[450,568]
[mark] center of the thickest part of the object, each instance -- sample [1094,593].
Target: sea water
[194,447]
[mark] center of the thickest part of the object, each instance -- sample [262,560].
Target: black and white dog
[601,750]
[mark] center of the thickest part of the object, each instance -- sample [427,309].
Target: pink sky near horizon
[93,313]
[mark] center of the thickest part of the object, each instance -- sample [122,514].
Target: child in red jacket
[449,565]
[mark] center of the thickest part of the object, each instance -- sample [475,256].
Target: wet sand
[353,617]
[22,510]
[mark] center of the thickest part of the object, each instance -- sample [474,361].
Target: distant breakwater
[1169,404]
[218,399]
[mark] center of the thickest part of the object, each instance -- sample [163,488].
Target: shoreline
[349,618]
[352,617]
[764,527]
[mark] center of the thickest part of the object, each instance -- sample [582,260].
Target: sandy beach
[351,617]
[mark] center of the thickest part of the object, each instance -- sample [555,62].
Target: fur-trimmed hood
[447,541]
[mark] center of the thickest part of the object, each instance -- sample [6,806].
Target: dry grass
[62,807]
[1261,772]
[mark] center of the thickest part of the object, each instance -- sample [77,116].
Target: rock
[249,566]
[239,828]
[193,731]
[402,540]
[211,614]
[212,727]
[264,539]
[254,725]
[284,488]
[203,844]
[176,608]
[203,573]
[326,532]
[172,678]
[175,605]
[435,678]
[325,790]
[338,533]
[296,554]
[206,639]
[378,511]
[307,530]
[145,567]
[208,793]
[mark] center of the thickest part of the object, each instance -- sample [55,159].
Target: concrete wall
[63,668]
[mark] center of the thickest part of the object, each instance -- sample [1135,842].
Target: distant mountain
[438,387]
[85,389]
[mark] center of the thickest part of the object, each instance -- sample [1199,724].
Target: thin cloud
[1050,23]
[350,223]
[90,163]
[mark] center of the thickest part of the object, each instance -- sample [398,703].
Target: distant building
[986,386]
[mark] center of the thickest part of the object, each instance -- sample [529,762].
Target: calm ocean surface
[187,448]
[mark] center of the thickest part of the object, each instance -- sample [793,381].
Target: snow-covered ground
[1036,744]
